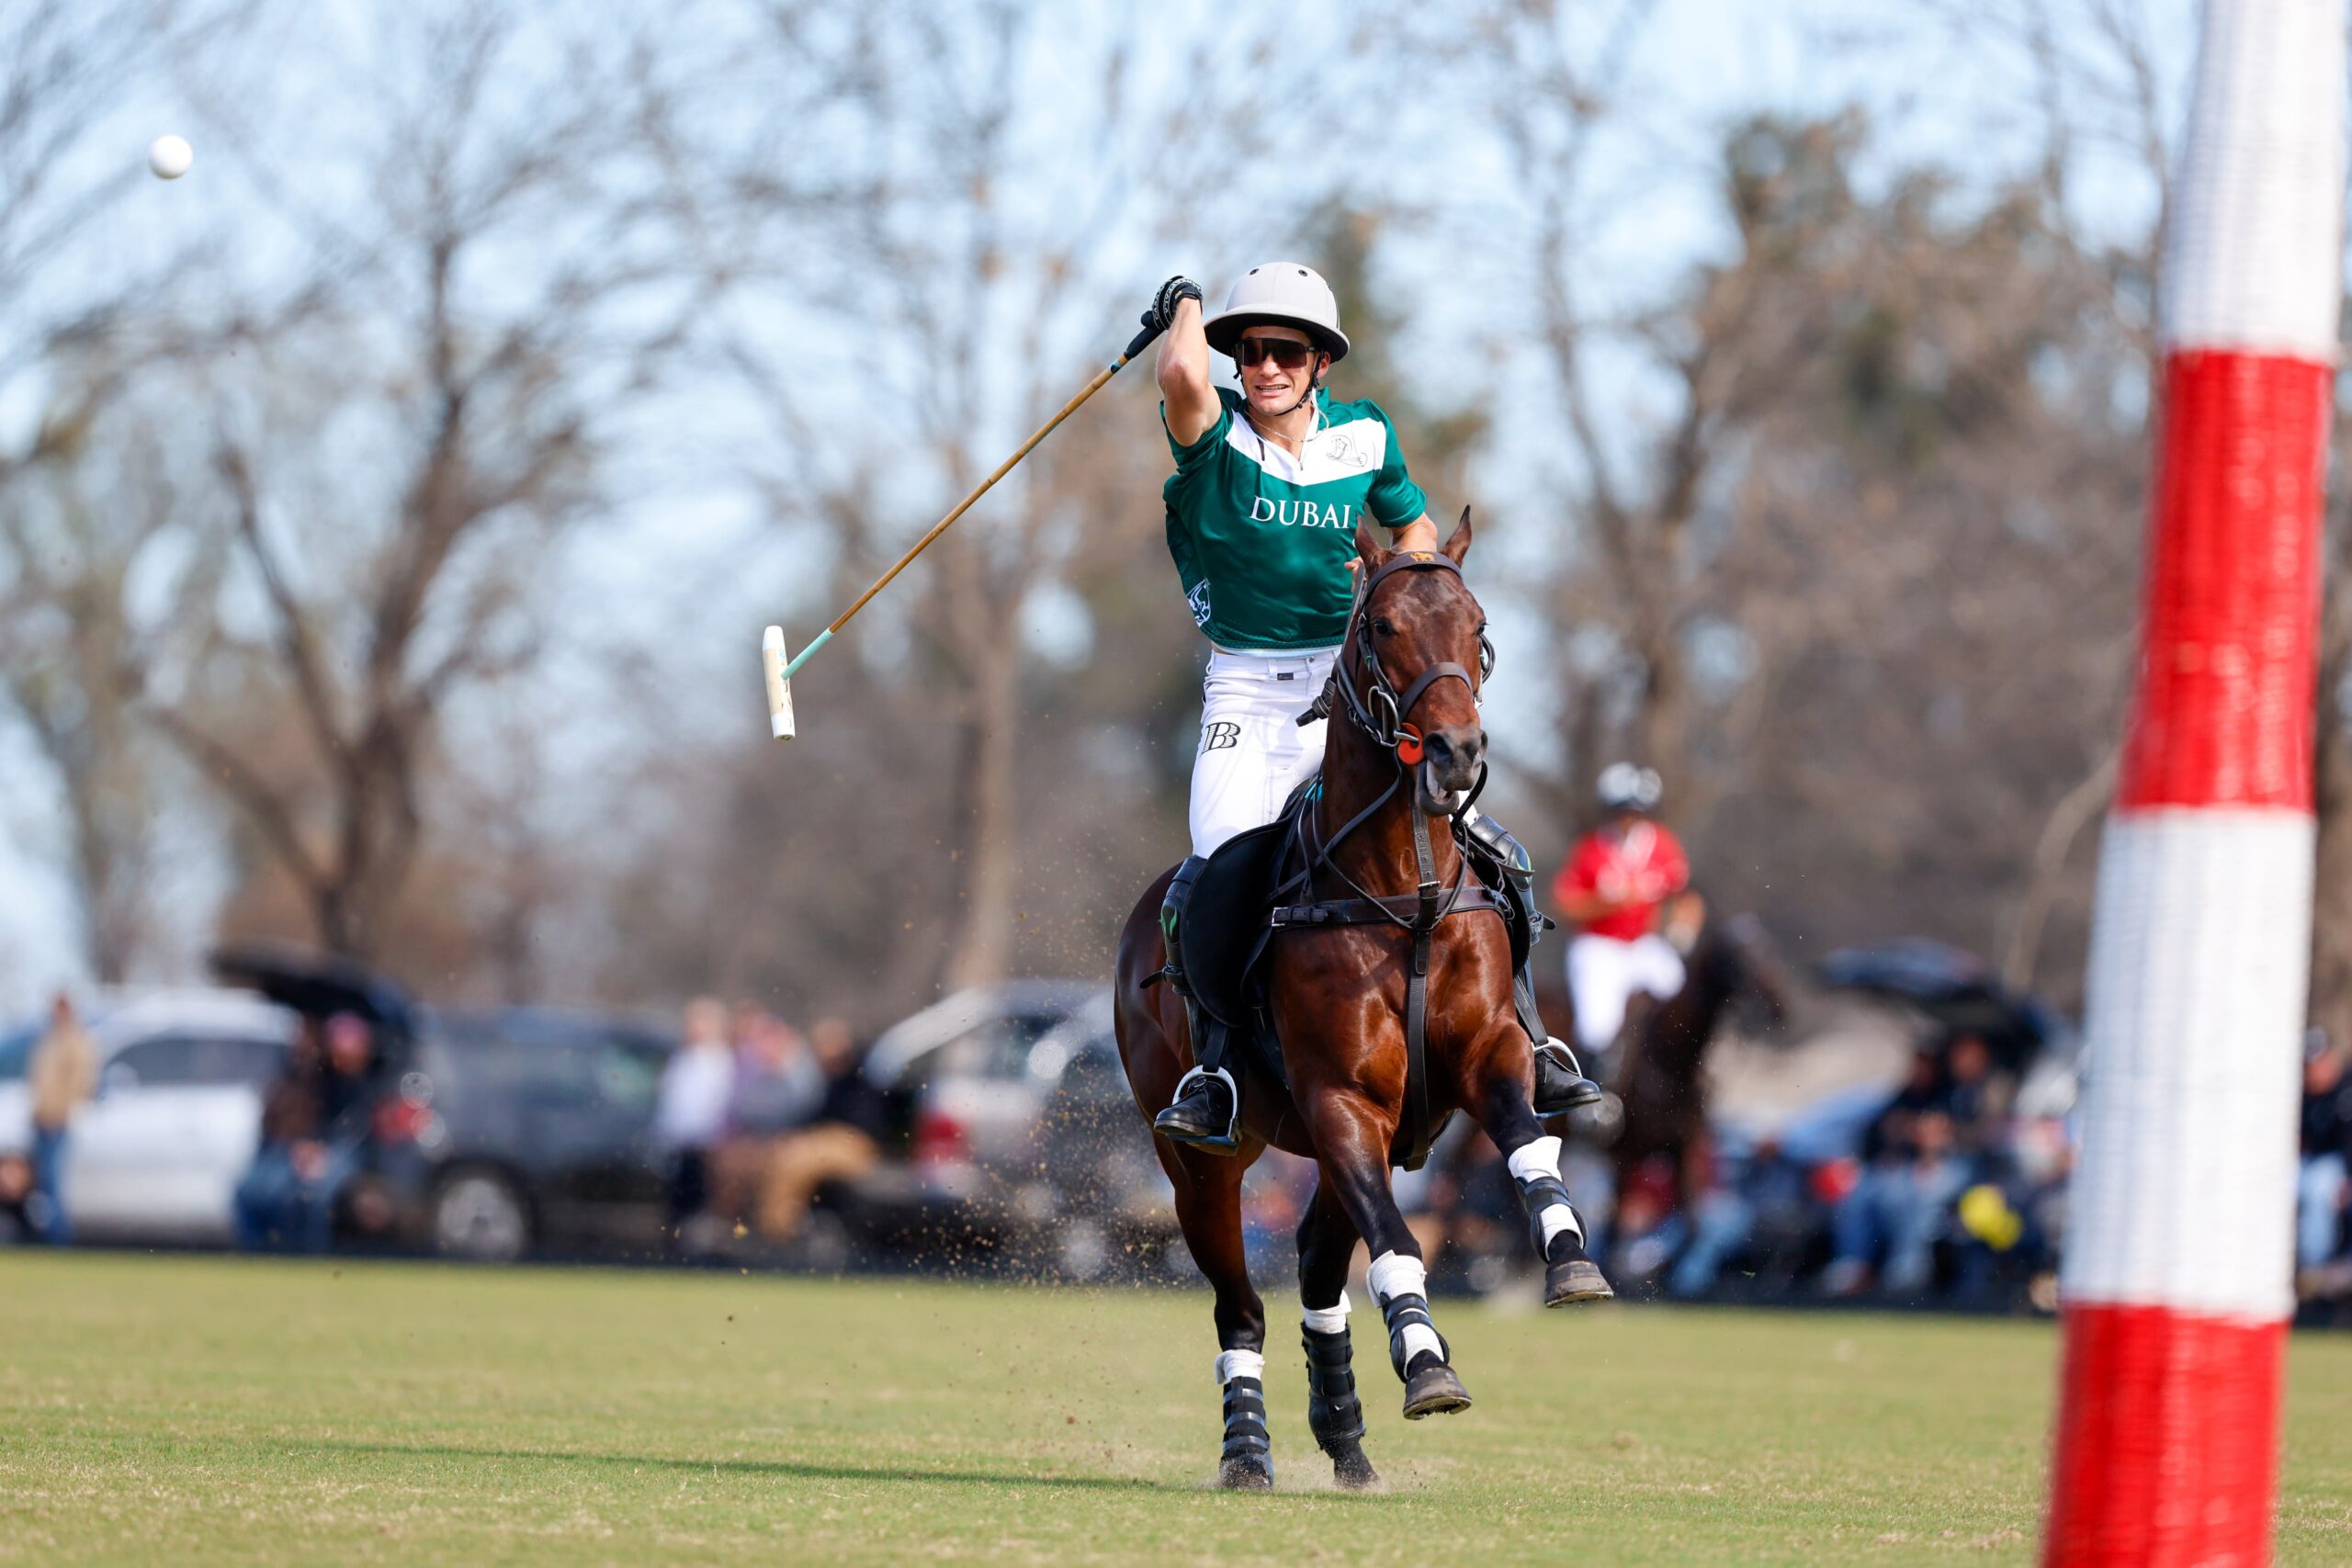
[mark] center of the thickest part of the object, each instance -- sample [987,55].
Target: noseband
[1379,709]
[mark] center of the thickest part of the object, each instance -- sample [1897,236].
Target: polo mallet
[780,670]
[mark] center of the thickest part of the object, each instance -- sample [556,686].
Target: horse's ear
[1368,549]
[1457,544]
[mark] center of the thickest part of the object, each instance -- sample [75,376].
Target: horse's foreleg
[1327,1240]
[1208,1211]
[1533,1159]
[1353,1140]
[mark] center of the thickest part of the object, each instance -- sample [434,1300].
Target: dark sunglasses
[1282,351]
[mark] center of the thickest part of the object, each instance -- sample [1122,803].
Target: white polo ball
[169,156]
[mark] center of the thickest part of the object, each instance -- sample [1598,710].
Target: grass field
[227,1410]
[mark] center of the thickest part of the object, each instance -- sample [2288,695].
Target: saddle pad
[1225,920]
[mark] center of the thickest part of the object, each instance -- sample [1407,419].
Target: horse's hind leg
[1533,1158]
[1327,1240]
[1208,1211]
[1353,1140]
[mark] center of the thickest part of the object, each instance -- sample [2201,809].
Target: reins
[1384,714]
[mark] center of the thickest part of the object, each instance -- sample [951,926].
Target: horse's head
[1416,654]
[1735,959]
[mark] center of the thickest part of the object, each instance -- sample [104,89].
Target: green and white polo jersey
[1262,539]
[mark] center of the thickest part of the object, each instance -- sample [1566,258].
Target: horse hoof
[1577,1280]
[1434,1391]
[1352,1471]
[1247,1473]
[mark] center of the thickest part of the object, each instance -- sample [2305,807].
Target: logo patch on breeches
[1220,736]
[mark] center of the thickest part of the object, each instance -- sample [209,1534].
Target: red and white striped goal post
[2178,1275]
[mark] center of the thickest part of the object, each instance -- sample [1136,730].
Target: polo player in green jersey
[1270,484]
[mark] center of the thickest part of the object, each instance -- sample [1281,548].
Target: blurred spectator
[1761,1193]
[690,1112]
[1914,1169]
[2326,1150]
[777,1087]
[15,1187]
[841,1141]
[313,1131]
[779,1081]
[63,1073]
[1978,1095]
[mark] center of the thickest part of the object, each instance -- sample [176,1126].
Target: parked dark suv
[492,1134]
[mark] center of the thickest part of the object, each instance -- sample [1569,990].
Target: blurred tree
[397,466]
[1031,162]
[1341,238]
[72,536]
[1876,380]
[79,320]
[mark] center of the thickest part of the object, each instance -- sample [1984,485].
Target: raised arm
[1183,368]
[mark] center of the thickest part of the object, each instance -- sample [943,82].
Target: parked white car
[156,1156]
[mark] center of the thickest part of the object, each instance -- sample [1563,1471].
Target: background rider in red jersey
[1611,891]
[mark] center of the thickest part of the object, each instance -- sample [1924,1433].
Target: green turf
[225,1410]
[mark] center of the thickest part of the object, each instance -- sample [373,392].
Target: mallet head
[779,689]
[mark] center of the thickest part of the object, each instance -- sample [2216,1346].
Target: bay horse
[1660,1077]
[1351,993]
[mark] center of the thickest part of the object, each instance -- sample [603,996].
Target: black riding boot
[1206,1112]
[1560,1083]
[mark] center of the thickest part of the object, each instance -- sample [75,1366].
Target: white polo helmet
[1625,787]
[1289,293]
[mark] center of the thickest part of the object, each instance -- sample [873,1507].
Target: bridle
[1379,709]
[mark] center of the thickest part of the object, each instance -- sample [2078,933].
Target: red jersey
[1644,868]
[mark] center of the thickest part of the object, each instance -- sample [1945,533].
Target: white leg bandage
[1326,1320]
[1241,1364]
[1539,1157]
[1393,1274]
[1540,1161]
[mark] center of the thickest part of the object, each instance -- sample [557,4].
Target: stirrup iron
[1220,1143]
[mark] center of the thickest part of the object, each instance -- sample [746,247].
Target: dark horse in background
[1661,1080]
[1404,748]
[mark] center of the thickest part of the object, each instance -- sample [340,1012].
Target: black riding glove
[1172,293]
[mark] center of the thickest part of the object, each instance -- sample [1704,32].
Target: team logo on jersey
[1303,514]
[1220,736]
[1341,449]
[1199,601]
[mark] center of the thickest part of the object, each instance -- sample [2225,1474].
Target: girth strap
[1417,1129]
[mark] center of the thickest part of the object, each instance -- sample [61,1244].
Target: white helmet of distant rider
[1625,787]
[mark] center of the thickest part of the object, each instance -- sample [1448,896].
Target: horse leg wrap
[1535,1165]
[1333,1413]
[1400,1284]
[1242,1375]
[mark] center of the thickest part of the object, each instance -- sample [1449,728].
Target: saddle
[1234,911]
